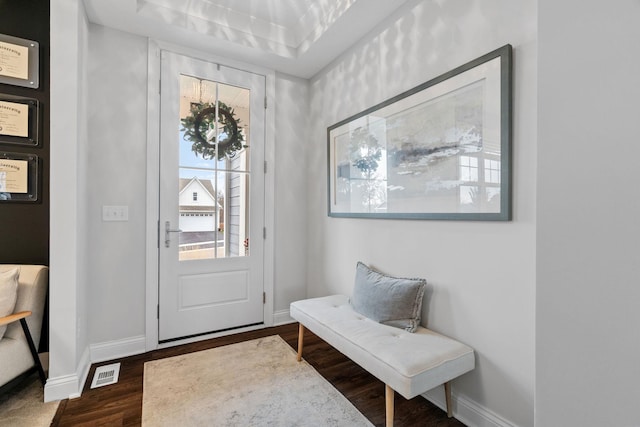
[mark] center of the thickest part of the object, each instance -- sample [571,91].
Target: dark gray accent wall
[24,227]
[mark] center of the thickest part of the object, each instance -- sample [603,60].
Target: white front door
[211,246]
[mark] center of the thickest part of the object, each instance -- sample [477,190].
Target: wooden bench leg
[389,393]
[300,341]
[447,396]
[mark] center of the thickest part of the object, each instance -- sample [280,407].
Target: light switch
[115,213]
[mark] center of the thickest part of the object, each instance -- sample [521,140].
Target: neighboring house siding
[237,190]
[205,198]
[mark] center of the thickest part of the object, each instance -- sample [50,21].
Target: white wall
[68,347]
[84,190]
[292,136]
[117,70]
[588,233]
[481,274]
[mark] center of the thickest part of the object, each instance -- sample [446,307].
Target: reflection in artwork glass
[421,158]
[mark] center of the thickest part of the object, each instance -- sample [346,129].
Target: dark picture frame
[19,61]
[19,120]
[18,177]
[439,151]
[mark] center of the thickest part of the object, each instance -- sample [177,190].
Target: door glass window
[214,141]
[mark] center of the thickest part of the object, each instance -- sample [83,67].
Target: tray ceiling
[298,37]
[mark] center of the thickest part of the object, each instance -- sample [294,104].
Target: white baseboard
[110,350]
[65,387]
[83,368]
[116,349]
[282,317]
[68,386]
[71,386]
[467,411]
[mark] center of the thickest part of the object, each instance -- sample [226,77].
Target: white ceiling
[298,37]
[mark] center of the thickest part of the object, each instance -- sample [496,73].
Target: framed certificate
[18,120]
[18,177]
[19,59]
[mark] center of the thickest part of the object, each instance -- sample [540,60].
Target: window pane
[214,170]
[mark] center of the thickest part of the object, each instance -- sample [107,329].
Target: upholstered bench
[410,363]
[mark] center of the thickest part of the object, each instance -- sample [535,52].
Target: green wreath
[201,120]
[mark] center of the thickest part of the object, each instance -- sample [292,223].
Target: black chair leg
[34,352]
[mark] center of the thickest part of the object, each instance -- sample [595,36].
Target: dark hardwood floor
[121,404]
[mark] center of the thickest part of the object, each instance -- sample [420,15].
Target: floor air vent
[105,375]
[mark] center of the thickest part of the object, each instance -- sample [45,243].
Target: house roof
[207,186]
[206,183]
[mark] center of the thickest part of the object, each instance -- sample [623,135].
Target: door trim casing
[153,192]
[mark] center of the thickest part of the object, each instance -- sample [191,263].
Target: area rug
[253,383]
[23,405]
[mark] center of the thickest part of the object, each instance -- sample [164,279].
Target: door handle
[167,235]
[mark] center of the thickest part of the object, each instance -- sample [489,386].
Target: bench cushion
[410,363]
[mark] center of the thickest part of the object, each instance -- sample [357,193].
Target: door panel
[211,289]
[211,198]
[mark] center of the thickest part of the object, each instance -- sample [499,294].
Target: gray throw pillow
[392,301]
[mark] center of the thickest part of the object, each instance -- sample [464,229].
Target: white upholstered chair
[19,344]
